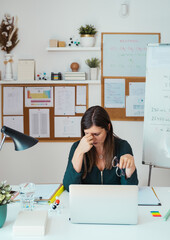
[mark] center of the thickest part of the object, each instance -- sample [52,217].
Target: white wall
[40,20]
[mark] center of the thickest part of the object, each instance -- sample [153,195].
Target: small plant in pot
[5,196]
[87,34]
[94,64]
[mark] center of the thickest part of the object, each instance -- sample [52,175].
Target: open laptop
[103,204]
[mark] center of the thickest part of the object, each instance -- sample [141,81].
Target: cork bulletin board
[54,108]
[123,56]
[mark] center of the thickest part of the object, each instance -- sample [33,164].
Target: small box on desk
[30,223]
[26,69]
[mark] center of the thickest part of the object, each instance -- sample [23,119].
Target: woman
[92,160]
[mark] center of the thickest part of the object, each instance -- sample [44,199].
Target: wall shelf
[52,82]
[72,49]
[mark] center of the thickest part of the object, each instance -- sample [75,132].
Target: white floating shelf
[72,49]
[52,82]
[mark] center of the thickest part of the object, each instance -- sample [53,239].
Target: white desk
[59,227]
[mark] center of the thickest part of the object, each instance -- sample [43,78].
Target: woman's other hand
[127,162]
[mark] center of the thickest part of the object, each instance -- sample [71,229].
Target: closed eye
[96,134]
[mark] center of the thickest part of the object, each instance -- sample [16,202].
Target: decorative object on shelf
[94,64]
[8,67]
[74,66]
[5,196]
[62,44]
[53,43]
[87,35]
[42,76]
[56,76]
[8,40]
[73,42]
[26,69]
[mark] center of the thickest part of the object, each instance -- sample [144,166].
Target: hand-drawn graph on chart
[39,96]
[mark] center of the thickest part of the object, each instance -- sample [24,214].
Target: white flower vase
[93,73]
[8,67]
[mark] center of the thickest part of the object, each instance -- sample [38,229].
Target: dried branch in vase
[8,33]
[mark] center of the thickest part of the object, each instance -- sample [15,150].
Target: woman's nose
[94,137]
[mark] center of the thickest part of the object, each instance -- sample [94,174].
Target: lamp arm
[2,142]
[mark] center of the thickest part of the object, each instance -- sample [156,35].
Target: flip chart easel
[156,140]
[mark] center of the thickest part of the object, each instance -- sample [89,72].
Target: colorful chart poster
[39,96]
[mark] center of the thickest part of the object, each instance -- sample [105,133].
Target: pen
[42,202]
[165,218]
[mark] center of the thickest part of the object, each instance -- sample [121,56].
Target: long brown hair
[97,116]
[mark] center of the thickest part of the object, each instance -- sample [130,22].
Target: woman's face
[99,135]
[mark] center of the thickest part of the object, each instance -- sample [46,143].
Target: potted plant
[8,40]
[87,35]
[5,196]
[94,64]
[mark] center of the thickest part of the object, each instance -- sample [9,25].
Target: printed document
[39,123]
[114,93]
[64,100]
[13,101]
[67,127]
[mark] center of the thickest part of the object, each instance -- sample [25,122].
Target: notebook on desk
[103,204]
[30,223]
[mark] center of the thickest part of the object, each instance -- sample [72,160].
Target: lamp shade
[21,141]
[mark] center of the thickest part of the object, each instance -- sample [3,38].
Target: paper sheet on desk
[147,197]
[44,190]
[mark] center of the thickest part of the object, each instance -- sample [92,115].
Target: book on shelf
[71,74]
[75,78]
[75,75]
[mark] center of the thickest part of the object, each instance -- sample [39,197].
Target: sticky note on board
[156,214]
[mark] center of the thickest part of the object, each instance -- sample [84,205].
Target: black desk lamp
[21,141]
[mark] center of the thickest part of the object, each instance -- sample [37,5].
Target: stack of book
[75,75]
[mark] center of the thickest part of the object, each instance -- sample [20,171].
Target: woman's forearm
[77,160]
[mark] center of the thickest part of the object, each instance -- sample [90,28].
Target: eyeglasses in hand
[115,161]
